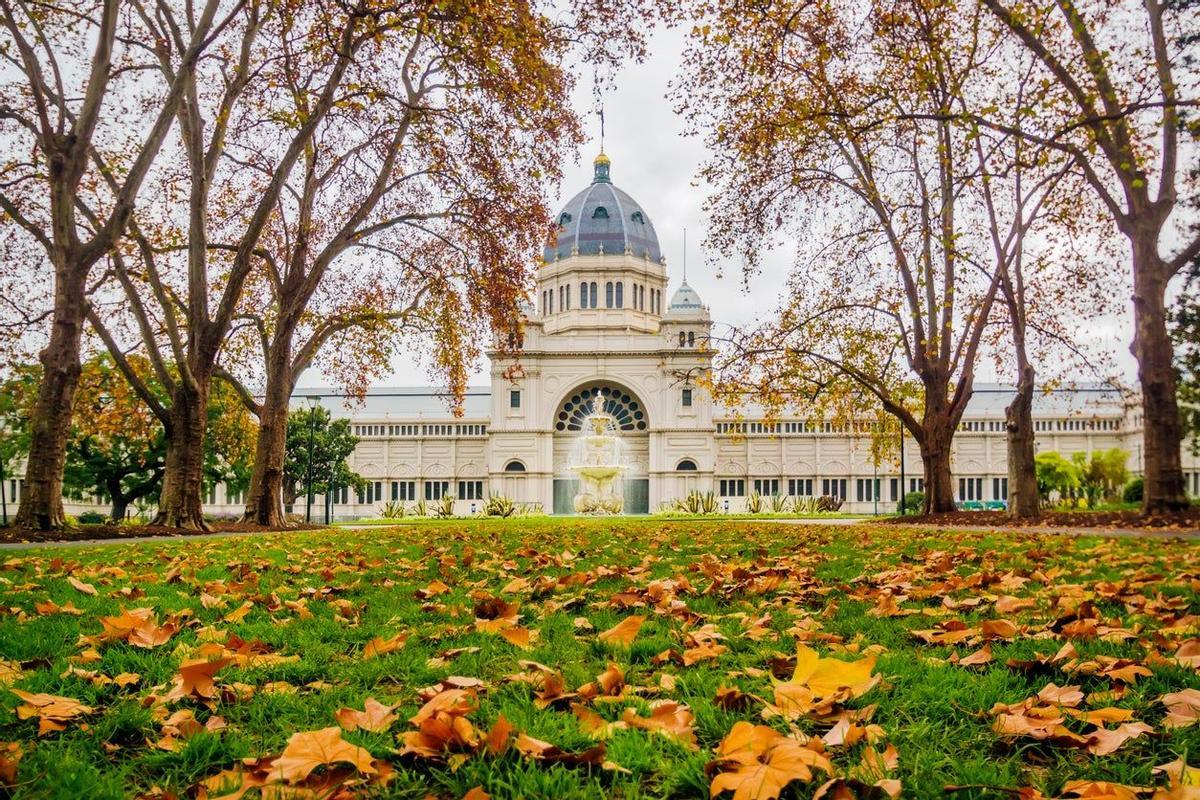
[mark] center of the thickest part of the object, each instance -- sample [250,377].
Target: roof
[684,299]
[989,400]
[603,219]
[400,402]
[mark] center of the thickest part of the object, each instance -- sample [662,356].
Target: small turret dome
[602,219]
[685,299]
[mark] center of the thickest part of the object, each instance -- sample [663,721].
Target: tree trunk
[1161,429]
[120,504]
[1018,422]
[181,504]
[939,483]
[41,505]
[264,501]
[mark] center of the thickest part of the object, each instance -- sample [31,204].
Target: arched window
[564,219]
[583,294]
[682,338]
[638,217]
[566,306]
[620,294]
[595,295]
[626,412]
[600,213]
[608,295]
[514,466]
[687,465]
[691,338]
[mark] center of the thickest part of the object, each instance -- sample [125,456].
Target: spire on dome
[600,167]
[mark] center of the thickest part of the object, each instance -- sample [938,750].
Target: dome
[603,219]
[684,299]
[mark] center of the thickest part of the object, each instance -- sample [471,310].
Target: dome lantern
[600,169]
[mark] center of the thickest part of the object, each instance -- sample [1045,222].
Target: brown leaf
[86,588]
[623,633]
[757,762]
[375,717]
[380,646]
[308,750]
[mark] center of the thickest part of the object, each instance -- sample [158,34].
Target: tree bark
[264,501]
[1161,430]
[181,503]
[41,506]
[1018,422]
[939,482]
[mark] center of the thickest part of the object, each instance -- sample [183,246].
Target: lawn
[506,659]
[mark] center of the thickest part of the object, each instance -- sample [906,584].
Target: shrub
[755,503]
[498,505]
[778,503]
[92,518]
[805,505]
[914,502]
[445,507]
[392,510]
[1133,491]
[827,503]
[421,508]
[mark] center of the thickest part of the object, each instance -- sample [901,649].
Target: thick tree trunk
[939,483]
[1161,429]
[41,505]
[120,504]
[181,504]
[1018,422]
[264,501]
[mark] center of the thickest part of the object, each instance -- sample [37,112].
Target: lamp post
[312,401]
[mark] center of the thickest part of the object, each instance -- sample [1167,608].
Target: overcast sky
[656,164]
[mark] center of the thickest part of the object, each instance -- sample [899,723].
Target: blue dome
[602,218]
[684,299]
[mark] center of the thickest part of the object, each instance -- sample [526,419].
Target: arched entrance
[632,421]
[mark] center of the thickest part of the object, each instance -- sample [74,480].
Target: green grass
[933,712]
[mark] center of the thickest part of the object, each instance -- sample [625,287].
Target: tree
[907,234]
[1119,77]
[1055,475]
[69,63]
[1185,335]
[1100,474]
[332,444]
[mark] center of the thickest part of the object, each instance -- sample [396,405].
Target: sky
[656,164]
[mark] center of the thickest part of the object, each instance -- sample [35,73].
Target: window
[514,466]
[600,213]
[916,484]
[687,398]
[404,490]
[999,488]
[833,487]
[436,490]
[470,490]
[687,465]
[766,486]
[608,295]
[235,496]
[691,338]
[211,496]
[341,495]
[638,217]
[620,294]
[595,294]
[866,489]
[514,398]
[565,304]
[682,338]
[583,295]
[894,488]
[970,489]
[800,487]
[733,487]
[564,218]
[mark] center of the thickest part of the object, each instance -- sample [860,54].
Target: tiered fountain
[599,467]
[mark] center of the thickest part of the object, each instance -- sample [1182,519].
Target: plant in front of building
[444,508]
[1057,477]
[755,504]
[392,509]
[827,504]
[804,505]
[421,508]
[913,502]
[499,505]
[1132,493]
[778,504]
[1101,474]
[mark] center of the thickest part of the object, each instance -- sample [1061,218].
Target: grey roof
[684,299]
[602,218]
[989,399]
[399,402]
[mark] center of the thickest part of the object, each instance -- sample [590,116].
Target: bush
[1133,491]
[826,503]
[92,518]
[498,505]
[914,502]
[393,510]
[755,503]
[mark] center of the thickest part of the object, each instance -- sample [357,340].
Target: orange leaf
[623,633]
[375,717]
[308,750]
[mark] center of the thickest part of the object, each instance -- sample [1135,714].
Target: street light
[312,401]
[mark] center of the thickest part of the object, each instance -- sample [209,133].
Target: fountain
[599,467]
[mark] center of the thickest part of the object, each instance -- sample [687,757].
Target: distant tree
[1055,475]
[332,444]
[1185,333]
[1100,473]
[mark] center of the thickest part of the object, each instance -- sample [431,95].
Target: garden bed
[81,533]
[1185,521]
